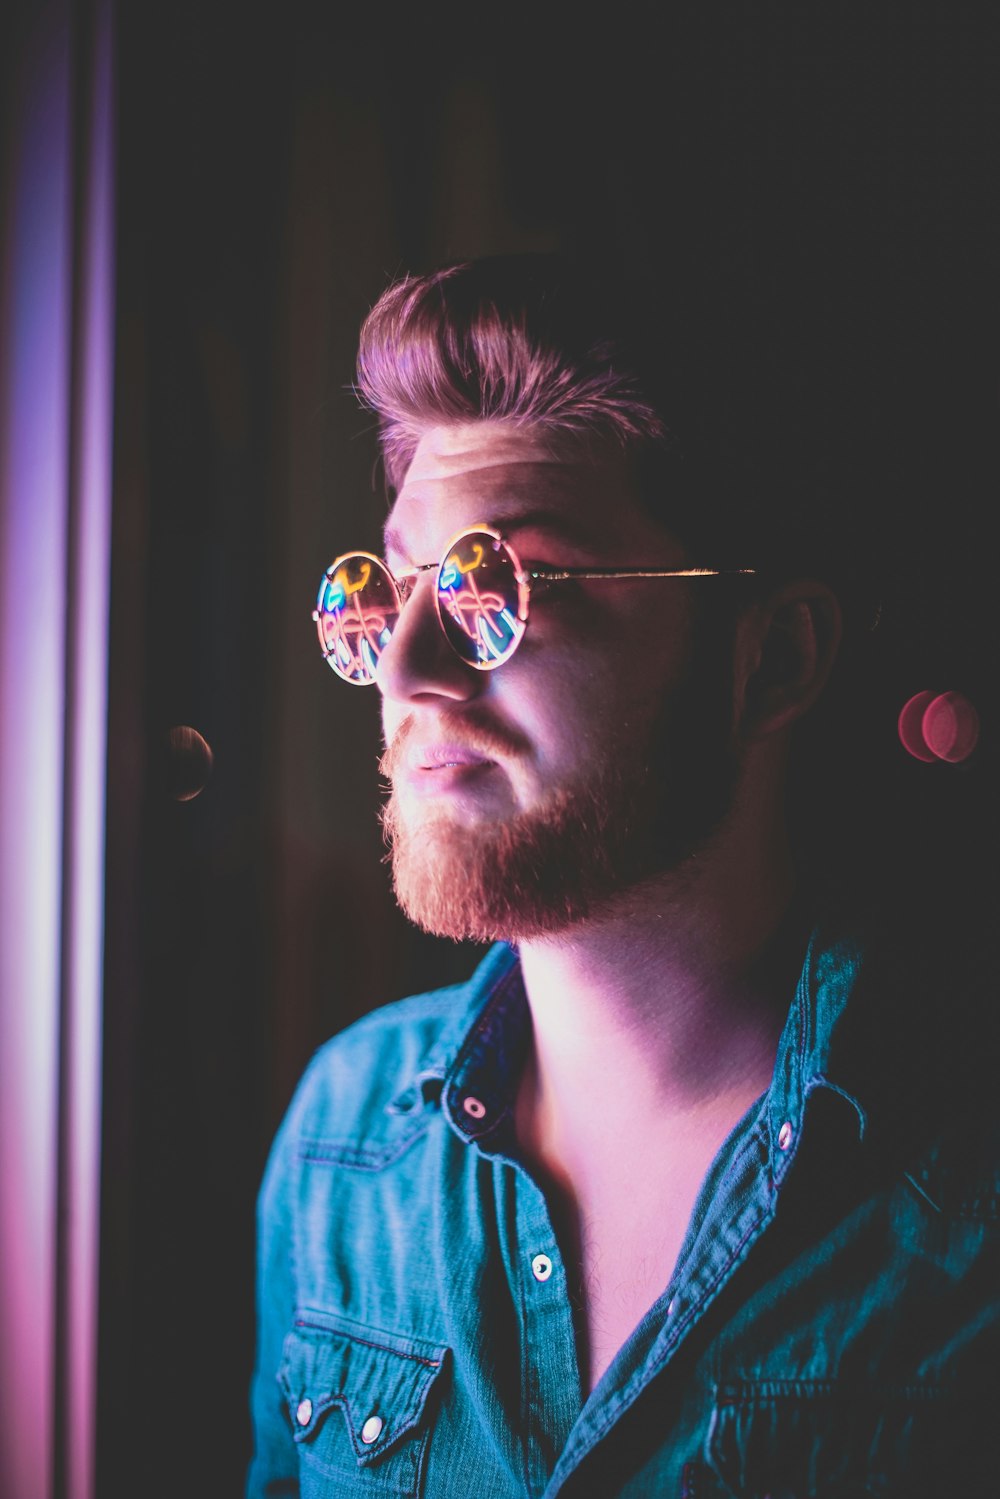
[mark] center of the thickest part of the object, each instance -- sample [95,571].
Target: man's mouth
[453,759]
[432,757]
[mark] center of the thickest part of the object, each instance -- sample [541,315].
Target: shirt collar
[477,1060]
[809,1057]
[480,1087]
[479,1051]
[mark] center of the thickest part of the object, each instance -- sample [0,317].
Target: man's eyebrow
[565,527]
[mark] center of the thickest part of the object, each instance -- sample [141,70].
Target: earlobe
[791,644]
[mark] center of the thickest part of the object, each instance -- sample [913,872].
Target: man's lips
[432,757]
[449,749]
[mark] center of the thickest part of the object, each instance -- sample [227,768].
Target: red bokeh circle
[910,726]
[950,727]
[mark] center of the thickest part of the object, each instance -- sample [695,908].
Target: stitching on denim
[512,1264]
[293,1244]
[752,1392]
[690,1482]
[755,1137]
[713,1285]
[803,1007]
[485,1018]
[305,1434]
[632,1390]
[980,1210]
[367,1343]
[418,1477]
[360,1157]
[525,1383]
[440,1060]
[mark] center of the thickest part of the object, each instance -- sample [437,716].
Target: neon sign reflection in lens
[482,604]
[480,599]
[355,614]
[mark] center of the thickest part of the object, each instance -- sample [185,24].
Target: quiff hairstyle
[524,339]
[545,341]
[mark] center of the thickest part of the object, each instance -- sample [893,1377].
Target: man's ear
[786,647]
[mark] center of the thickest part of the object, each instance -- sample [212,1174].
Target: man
[643,1209]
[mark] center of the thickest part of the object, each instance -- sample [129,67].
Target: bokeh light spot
[910,726]
[950,727]
[189,762]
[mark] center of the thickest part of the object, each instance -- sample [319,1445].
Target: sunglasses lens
[479,600]
[355,615]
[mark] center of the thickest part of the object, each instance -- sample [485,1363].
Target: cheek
[627,669]
[618,644]
[582,705]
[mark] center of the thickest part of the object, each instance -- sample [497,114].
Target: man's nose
[418,662]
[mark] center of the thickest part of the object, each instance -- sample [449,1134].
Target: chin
[544,871]
[484,882]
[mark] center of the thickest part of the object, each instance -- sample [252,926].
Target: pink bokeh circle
[950,727]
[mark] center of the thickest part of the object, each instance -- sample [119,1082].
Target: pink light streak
[34,478]
[86,750]
[55,443]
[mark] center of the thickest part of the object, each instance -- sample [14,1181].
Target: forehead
[476,472]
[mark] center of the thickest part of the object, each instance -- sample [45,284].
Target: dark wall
[809,200]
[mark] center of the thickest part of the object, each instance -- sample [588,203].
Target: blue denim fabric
[831,1327]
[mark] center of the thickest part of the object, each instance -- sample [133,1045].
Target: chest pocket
[814,1439]
[359,1404]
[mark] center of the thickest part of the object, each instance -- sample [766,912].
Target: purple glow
[86,749]
[54,546]
[34,425]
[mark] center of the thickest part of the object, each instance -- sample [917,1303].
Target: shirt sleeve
[274,1467]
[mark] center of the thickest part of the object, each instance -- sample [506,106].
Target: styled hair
[547,341]
[526,339]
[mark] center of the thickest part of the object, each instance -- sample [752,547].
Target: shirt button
[372,1429]
[785,1136]
[541,1267]
[304,1410]
[474,1107]
[671,1306]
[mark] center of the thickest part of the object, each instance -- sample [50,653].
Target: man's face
[527,798]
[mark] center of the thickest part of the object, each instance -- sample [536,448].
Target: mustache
[492,741]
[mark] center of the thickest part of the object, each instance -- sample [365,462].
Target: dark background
[807,195]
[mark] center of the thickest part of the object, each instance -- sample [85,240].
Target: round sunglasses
[482,596]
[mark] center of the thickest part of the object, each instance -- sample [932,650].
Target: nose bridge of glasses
[418,660]
[416,637]
[407,578]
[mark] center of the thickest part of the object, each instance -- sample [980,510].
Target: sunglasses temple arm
[554,576]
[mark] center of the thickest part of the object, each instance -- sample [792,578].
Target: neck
[655,1027]
[675,998]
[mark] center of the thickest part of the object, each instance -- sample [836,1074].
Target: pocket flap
[379,1380]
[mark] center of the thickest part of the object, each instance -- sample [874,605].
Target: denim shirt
[830,1327]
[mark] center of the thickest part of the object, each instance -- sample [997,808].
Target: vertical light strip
[86,751]
[56,366]
[34,389]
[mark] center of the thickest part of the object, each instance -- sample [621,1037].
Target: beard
[642,811]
